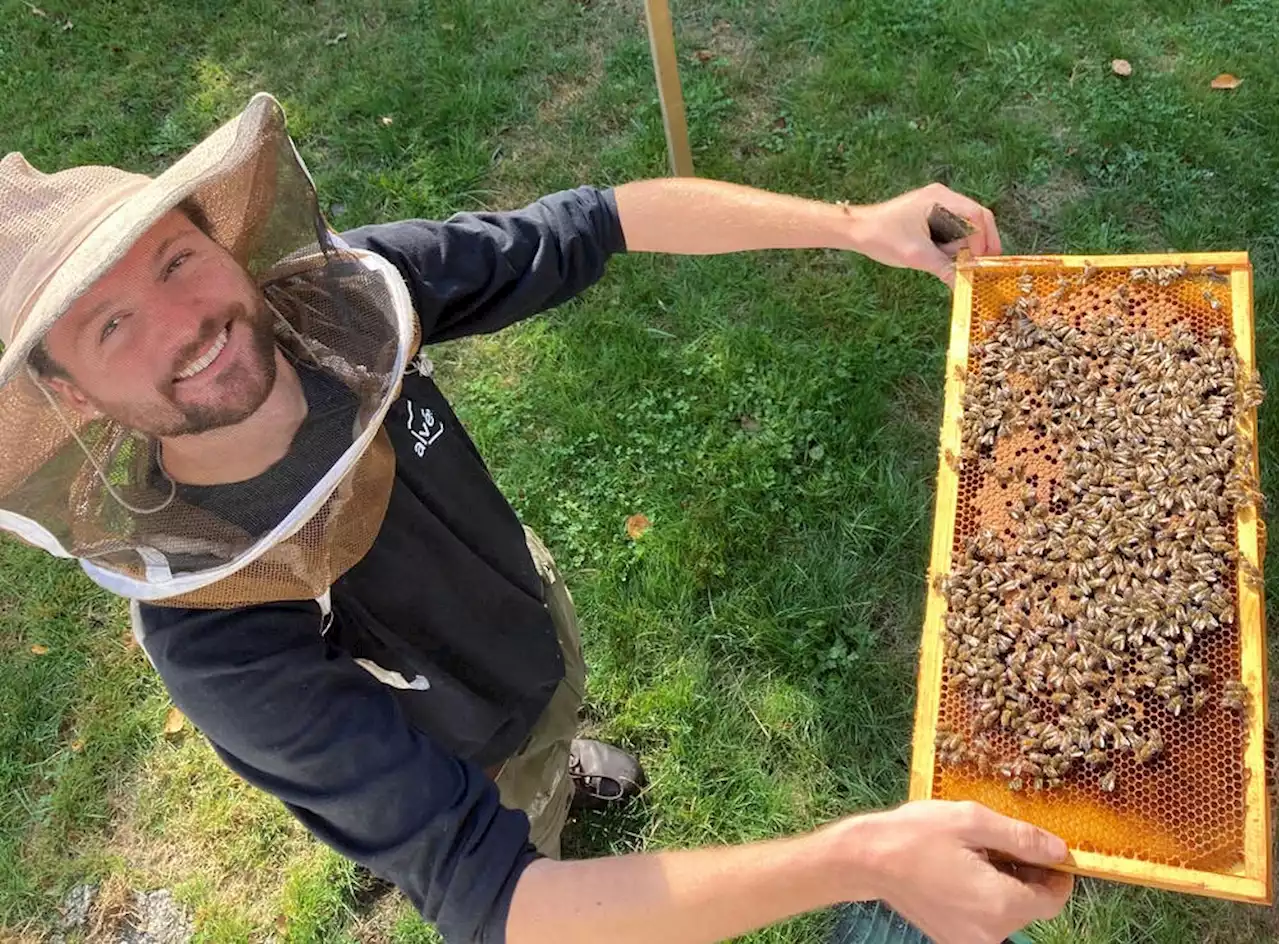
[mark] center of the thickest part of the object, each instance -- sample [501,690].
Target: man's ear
[71,396]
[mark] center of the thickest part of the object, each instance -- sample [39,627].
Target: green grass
[757,646]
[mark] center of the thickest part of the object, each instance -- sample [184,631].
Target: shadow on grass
[592,834]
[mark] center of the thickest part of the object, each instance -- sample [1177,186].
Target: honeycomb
[1187,807]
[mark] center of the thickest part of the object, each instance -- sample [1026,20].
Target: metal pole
[662,45]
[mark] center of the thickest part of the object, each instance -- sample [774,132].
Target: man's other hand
[896,232]
[932,861]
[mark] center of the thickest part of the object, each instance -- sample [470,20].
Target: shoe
[602,775]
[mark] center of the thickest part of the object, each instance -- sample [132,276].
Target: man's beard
[242,387]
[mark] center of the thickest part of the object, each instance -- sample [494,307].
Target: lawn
[773,415]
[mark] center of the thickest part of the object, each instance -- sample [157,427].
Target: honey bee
[952,743]
[1107,782]
[1235,696]
[1250,573]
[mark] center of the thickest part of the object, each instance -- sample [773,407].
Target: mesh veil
[96,488]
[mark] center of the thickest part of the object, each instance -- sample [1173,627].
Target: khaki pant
[536,779]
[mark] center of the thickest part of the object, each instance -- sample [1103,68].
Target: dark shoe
[603,775]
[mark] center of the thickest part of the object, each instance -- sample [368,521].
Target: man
[208,393]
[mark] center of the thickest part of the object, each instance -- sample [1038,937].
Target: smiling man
[221,409]
[176,342]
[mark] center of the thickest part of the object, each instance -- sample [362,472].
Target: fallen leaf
[1225,81]
[337,39]
[77,745]
[704,55]
[1121,67]
[174,721]
[636,526]
[39,650]
[36,10]
[67,25]
[749,423]
[282,924]
[780,122]
[129,639]
[387,120]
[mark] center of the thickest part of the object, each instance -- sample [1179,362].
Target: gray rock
[75,907]
[158,919]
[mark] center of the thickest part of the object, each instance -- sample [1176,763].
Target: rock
[157,919]
[75,907]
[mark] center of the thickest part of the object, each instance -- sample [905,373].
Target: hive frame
[1252,879]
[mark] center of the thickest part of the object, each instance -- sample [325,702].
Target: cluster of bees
[1082,629]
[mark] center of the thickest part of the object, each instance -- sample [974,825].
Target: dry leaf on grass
[1225,81]
[39,650]
[174,721]
[704,55]
[387,119]
[637,525]
[1121,67]
[77,745]
[337,39]
[36,10]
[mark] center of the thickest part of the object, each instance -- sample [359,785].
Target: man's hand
[896,232]
[932,862]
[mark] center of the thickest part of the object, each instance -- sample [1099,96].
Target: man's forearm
[691,216]
[680,897]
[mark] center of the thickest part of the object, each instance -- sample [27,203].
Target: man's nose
[181,323]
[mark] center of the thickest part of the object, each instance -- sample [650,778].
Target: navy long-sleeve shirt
[447,597]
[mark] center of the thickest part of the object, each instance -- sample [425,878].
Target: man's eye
[109,328]
[175,263]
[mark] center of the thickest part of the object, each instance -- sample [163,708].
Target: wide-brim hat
[63,478]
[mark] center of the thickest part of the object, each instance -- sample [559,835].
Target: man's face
[174,340]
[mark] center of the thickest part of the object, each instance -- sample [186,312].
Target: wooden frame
[1252,880]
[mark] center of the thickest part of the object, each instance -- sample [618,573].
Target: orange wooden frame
[1251,880]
